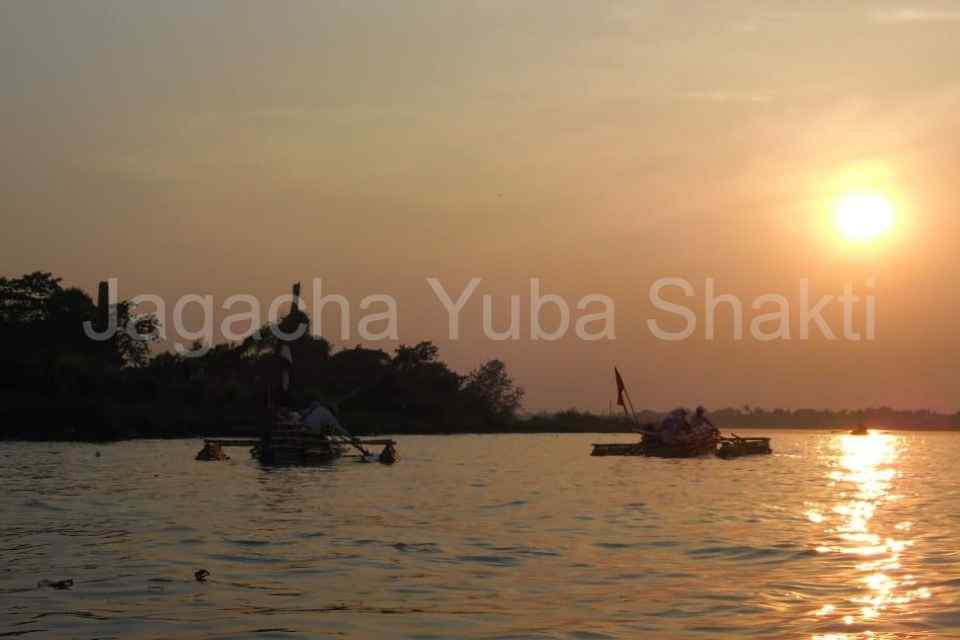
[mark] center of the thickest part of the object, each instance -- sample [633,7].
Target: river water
[518,536]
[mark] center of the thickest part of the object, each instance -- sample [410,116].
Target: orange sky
[234,147]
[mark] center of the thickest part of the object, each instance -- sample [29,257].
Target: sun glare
[863,217]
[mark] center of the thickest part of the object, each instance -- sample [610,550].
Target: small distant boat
[860,430]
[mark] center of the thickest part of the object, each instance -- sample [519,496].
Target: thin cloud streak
[728,97]
[913,15]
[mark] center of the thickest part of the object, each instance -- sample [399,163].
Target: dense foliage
[55,382]
[733,418]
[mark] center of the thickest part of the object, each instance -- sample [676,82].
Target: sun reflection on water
[865,469]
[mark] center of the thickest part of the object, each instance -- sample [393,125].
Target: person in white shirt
[674,426]
[320,419]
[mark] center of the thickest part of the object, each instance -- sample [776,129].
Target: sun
[863,217]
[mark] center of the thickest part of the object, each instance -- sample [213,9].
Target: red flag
[621,388]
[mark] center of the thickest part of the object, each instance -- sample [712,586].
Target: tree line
[55,382]
[732,418]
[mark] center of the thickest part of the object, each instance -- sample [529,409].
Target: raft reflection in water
[861,528]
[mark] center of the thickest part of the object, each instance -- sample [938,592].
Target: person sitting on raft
[322,419]
[700,422]
[675,426]
[700,418]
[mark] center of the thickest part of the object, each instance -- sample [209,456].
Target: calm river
[834,537]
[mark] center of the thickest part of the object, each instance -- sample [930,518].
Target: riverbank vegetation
[57,383]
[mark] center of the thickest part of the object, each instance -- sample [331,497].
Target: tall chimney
[295,307]
[103,306]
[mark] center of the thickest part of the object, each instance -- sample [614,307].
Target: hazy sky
[234,147]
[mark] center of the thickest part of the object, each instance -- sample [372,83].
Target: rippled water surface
[527,536]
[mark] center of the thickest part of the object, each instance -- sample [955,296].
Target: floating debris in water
[212,451]
[201,575]
[55,584]
[389,455]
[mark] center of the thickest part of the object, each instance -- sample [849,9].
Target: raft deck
[617,449]
[736,446]
[725,447]
[251,442]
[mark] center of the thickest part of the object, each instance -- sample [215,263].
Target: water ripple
[841,538]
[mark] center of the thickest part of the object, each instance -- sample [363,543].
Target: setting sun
[863,217]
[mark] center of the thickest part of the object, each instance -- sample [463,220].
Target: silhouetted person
[699,419]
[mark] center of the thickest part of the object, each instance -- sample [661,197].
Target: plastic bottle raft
[736,446]
[291,444]
[725,447]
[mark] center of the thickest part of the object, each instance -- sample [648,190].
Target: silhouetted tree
[493,392]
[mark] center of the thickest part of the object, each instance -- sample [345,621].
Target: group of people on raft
[680,427]
[321,419]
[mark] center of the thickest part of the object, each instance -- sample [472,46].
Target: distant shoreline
[58,384]
[220,434]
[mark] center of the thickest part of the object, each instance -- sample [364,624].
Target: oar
[356,442]
[353,440]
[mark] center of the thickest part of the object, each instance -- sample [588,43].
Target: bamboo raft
[295,438]
[652,446]
[292,444]
[689,443]
[736,446]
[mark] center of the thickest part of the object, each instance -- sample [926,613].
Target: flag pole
[632,410]
[623,393]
